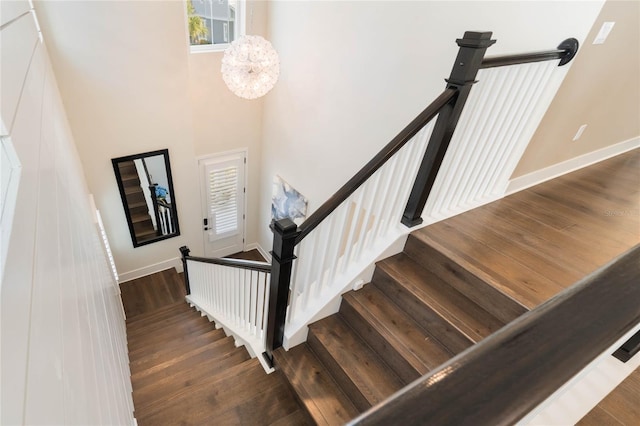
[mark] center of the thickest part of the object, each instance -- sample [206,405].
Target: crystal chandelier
[250,67]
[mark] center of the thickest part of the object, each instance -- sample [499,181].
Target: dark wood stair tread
[297,418]
[353,364]
[261,408]
[521,284]
[204,401]
[168,334]
[390,328]
[462,275]
[172,385]
[316,390]
[164,311]
[141,359]
[140,217]
[176,319]
[189,359]
[133,190]
[473,321]
[146,232]
[136,204]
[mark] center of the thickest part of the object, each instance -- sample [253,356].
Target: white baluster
[319,266]
[370,199]
[355,219]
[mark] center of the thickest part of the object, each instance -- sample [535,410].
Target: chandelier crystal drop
[250,67]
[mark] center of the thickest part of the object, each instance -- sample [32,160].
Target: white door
[223,193]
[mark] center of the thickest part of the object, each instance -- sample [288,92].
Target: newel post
[472,49]
[284,242]
[184,250]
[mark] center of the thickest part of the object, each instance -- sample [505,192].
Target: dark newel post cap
[184,250]
[476,39]
[284,226]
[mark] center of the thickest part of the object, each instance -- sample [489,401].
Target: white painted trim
[573,164]
[176,262]
[262,251]
[221,154]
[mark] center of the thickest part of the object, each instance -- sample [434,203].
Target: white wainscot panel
[11,9]
[18,275]
[9,180]
[17,43]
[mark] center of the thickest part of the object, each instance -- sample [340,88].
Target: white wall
[130,85]
[63,342]
[353,74]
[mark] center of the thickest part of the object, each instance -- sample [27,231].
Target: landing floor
[539,241]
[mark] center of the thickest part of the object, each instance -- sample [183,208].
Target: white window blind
[224,198]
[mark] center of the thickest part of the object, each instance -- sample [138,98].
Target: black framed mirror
[148,198]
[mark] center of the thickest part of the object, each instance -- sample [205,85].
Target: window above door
[214,24]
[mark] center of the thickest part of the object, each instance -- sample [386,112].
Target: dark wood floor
[152,292]
[248,255]
[537,242]
[184,371]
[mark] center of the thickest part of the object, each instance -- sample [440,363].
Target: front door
[223,194]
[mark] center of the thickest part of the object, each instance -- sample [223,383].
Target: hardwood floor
[537,242]
[248,255]
[184,371]
[152,292]
[620,407]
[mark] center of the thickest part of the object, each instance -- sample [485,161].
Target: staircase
[455,283]
[422,307]
[184,371]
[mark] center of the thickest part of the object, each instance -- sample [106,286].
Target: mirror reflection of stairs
[138,209]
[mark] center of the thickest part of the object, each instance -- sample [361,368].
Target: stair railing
[372,203]
[505,376]
[234,293]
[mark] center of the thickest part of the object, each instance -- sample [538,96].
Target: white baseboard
[573,164]
[262,251]
[176,262]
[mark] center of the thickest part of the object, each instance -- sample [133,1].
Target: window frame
[240,30]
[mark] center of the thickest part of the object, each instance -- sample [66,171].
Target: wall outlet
[604,32]
[579,132]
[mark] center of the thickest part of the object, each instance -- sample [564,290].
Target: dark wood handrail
[376,162]
[501,379]
[565,52]
[234,263]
